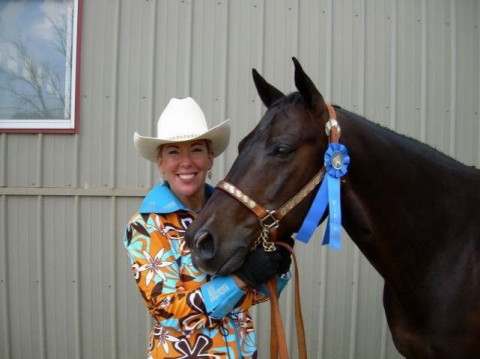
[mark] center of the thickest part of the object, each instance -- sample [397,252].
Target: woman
[197,316]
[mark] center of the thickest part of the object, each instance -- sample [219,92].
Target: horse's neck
[393,201]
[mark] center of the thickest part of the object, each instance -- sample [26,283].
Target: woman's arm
[174,291]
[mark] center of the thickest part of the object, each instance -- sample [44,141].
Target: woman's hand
[260,266]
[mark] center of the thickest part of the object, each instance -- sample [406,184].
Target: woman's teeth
[186,176]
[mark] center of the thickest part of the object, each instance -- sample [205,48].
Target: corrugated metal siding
[66,289]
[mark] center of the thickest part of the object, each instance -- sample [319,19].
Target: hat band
[182,137]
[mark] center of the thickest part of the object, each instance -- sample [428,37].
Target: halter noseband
[270,219]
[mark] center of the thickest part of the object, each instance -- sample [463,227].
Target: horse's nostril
[204,243]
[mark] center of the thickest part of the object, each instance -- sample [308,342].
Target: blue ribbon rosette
[336,163]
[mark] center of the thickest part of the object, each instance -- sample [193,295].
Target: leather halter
[270,219]
[269,222]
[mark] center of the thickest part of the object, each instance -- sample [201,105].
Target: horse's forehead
[291,118]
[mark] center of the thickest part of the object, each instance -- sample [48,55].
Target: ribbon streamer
[336,163]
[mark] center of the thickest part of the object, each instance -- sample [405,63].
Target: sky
[28,21]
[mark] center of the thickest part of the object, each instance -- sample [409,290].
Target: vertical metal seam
[16,314]
[393,65]
[151,115]
[113,166]
[76,161]
[3,165]
[362,68]
[114,102]
[424,75]
[113,285]
[41,278]
[190,50]
[453,76]
[76,287]
[3,255]
[322,301]
[297,28]
[39,160]
[329,51]
[262,38]
[355,285]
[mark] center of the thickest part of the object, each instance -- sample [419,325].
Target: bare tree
[37,90]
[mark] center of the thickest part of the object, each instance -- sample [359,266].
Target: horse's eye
[282,151]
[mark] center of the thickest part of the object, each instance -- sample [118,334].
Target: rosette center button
[337,160]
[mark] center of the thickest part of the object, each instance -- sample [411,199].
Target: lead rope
[278,345]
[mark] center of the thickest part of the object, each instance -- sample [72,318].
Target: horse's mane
[413,146]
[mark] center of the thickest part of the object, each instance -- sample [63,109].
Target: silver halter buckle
[330,124]
[269,217]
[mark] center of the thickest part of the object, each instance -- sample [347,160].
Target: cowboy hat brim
[219,137]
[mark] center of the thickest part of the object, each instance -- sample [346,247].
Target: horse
[410,209]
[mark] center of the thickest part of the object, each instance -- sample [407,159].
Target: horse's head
[281,154]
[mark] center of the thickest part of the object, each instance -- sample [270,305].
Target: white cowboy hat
[183,120]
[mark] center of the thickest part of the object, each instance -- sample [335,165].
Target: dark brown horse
[411,210]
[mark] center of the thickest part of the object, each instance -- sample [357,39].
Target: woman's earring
[209,175]
[161,180]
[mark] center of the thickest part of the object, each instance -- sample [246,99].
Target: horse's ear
[267,92]
[307,89]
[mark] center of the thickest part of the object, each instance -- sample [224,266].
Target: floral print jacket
[197,316]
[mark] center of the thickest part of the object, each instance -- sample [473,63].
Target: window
[39,65]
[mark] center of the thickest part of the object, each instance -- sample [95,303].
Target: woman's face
[184,166]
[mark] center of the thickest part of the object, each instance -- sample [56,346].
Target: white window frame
[57,125]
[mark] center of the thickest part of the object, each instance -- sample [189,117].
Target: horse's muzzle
[202,246]
[207,257]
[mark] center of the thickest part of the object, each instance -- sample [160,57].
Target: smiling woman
[39,65]
[197,316]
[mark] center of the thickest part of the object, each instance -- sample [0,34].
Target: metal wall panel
[60,276]
[66,289]
[26,292]
[467,90]
[98,136]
